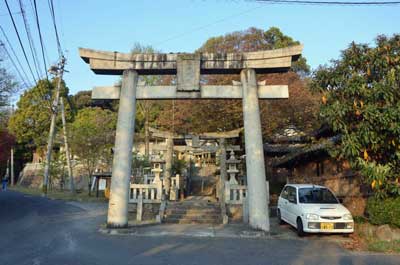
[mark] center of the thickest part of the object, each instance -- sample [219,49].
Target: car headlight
[347,216]
[312,216]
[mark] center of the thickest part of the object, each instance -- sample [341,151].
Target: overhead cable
[30,39]
[40,38]
[20,42]
[13,63]
[15,55]
[337,3]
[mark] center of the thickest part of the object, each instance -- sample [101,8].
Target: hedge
[385,211]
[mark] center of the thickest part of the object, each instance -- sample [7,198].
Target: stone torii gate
[188,69]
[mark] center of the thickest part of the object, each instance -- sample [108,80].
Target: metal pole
[52,128]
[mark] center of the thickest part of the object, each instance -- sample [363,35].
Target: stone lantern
[232,168]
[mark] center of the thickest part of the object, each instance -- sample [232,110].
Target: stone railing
[234,193]
[147,193]
[148,178]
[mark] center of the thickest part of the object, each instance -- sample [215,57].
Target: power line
[338,3]
[19,39]
[15,54]
[40,38]
[53,16]
[207,25]
[13,63]
[30,40]
[14,13]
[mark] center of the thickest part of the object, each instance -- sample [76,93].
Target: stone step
[177,215]
[198,211]
[192,221]
[195,210]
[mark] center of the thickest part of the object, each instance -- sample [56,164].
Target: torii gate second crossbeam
[188,69]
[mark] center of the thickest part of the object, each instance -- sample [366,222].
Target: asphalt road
[35,230]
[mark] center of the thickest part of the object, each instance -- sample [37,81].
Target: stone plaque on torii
[188,68]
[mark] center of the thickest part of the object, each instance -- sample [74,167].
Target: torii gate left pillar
[122,160]
[188,68]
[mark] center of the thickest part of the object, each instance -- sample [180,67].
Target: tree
[31,120]
[6,143]
[361,102]
[147,110]
[92,137]
[300,109]
[254,39]
[8,87]
[83,99]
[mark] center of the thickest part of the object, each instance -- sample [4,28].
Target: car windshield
[316,195]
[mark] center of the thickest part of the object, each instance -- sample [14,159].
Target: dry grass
[362,242]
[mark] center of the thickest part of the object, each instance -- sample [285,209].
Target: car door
[291,209]
[283,203]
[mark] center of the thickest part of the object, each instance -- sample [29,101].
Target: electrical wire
[40,37]
[13,63]
[30,40]
[53,16]
[19,39]
[207,25]
[331,3]
[15,55]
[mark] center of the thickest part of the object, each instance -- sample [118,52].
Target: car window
[284,193]
[292,194]
[316,195]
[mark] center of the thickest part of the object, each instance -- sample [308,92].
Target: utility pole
[69,166]
[12,167]
[59,69]
[12,156]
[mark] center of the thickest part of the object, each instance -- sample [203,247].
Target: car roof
[305,185]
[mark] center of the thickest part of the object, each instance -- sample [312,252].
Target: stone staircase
[193,210]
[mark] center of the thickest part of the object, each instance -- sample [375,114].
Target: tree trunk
[147,133]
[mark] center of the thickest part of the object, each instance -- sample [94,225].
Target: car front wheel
[278,214]
[300,231]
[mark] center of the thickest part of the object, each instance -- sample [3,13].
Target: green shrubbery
[385,211]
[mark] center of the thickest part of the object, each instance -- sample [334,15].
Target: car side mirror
[340,200]
[292,199]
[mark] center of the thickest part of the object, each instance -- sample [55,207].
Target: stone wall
[337,177]
[32,176]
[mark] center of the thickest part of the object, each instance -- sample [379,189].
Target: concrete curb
[192,231]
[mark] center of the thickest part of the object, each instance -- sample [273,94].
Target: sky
[183,26]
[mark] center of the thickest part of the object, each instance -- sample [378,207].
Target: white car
[313,209]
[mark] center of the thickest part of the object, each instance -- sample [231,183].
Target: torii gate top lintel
[114,63]
[188,69]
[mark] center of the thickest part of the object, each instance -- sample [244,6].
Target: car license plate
[327,226]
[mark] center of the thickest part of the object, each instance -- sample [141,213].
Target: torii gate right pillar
[255,168]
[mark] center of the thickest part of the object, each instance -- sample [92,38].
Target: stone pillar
[168,165]
[255,169]
[122,161]
[222,168]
